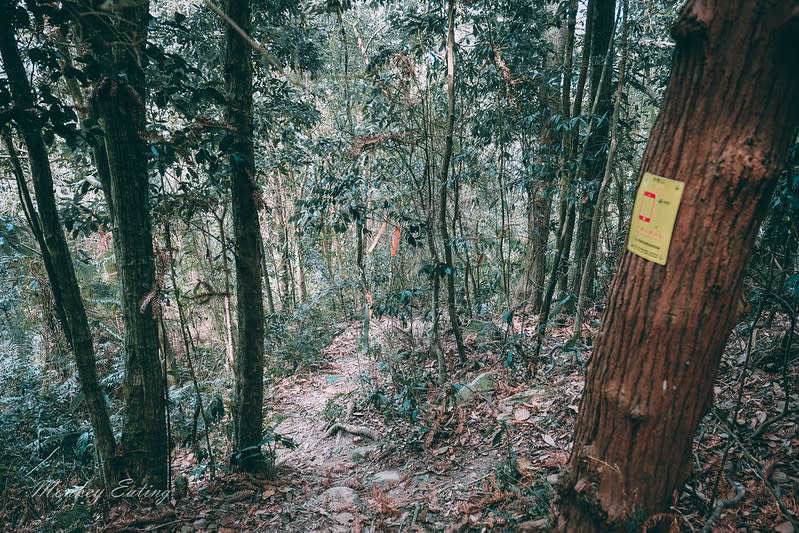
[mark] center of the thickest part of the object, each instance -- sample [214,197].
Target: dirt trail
[330,389]
[355,483]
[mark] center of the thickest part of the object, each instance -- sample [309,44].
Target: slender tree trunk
[539,213]
[621,209]
[539,194]
[360,263]
[62,276]
[270,299]
[32,216]
[590,260]
[567,229]
[542,215]
[248,411]
[286,277]
[735,75]
[457,229]
[443,223]
[560,269]
[567,196]
[300,270]
[596,145]
[230,345]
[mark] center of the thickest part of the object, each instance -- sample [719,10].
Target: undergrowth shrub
[296,340]
[44,433]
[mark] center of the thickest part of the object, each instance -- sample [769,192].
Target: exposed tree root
[349,428]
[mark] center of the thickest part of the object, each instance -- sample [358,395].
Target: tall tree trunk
[230,345]
[566,230]
[560,268]
[32,216]
[596,147]
[286,275]
[119,104]
[270,301]
[54,247]
[593,242]
[248,411]
[144,437]
[530,289]
[735,75]
[363,295]
[443,223]
[567,192]
[539,194]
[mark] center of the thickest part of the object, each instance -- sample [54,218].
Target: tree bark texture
[248,413]
[117,35]
[62,273]
[446,164]
[596,148]
[726,122]
[144,436]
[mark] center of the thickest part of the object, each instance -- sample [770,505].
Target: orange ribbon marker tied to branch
[395,241]
[654,214]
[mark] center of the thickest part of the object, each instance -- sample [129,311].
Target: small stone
[360,454]
[778,476]
[386,477]
[482,383]
[338,497]
[343,518]
[202,523]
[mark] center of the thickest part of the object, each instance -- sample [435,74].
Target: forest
[375,265]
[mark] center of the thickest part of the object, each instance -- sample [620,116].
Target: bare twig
[721,504]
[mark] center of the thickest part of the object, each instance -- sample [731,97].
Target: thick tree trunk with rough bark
[54,247]
[118,35]
[248,411]
[144,436]
[726,122]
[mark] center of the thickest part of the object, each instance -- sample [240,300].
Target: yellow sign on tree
[654,214]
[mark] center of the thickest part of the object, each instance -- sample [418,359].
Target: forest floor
[379,447]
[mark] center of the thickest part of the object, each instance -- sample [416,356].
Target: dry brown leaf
[521,414]
[522,463]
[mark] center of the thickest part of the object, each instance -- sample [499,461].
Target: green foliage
[296,340]
[45,435]
[187,421]
[336,407]
[73,518]
[405,394]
